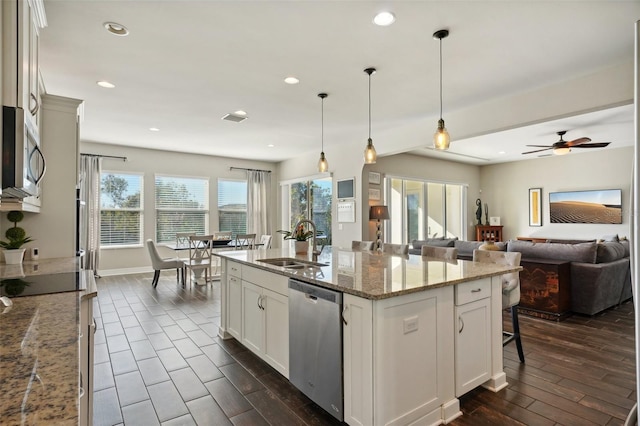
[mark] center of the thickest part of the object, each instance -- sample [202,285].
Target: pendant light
[441,137]
[370,155]
[323,164]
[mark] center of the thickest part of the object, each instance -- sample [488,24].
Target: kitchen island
[46,349]
[417,332]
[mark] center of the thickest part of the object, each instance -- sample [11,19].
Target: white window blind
[120,209]
[232,205]
[182,205]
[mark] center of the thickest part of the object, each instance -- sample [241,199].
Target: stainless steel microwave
[23,163]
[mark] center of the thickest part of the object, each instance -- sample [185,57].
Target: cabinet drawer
[269,280]
[234,269]
[472,291]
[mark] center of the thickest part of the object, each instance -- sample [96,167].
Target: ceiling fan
[564,147]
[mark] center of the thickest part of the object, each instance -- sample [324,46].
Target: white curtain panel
[90,167]
[258,190]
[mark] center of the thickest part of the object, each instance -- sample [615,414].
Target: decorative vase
[302,247]
[13,257]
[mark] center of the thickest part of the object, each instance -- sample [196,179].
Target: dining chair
[265,241]
[182,239]
[395,249]
[443,253]
[510,290]
[200,256]
[158,263]
[245,241]
[362,245]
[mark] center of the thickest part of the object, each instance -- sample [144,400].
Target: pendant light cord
[322,126]
[369,106]
[441,79]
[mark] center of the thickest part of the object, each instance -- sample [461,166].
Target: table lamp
[378,213]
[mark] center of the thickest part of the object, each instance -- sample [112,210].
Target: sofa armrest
[596,287]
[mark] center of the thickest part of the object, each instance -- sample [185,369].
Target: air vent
[233,117]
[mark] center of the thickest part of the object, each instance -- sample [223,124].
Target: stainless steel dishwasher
[315,344]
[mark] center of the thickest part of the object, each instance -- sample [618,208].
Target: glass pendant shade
[561,151]
[441,137]
[370,155]
[323,164]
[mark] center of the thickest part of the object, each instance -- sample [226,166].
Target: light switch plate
[410,324]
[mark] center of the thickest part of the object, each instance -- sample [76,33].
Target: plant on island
[16,236]
[299,234]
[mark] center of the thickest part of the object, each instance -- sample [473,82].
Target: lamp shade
[379,213]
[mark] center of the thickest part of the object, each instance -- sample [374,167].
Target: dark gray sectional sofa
[600,271]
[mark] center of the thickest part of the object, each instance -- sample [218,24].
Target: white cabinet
[473,335]
[21,22]
[86,332]
[234,300]
[264,319]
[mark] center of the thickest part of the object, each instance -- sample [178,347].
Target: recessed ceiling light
[502,152]
[384,19]
[291,80]
[154,129]
[106,84]
[116,29]
[270,145]
[240,112]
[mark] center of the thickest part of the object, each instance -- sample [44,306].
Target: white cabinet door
[473,345]
[252,317]
[234,306]
[276,330]
[358,360]
[87,329]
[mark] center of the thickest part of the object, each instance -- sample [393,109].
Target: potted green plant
[16,238]
[300,236]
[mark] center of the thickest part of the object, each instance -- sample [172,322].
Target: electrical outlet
[410,324]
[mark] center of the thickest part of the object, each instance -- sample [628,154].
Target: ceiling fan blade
[541,146]
[538,150]
[576,142]
[593,145]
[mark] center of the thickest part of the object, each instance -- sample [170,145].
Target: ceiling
[185,64]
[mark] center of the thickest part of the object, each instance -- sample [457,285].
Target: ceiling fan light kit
[370,155]
[323,164]
[441,138]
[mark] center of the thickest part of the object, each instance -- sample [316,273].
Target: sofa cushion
[436,242]
[610,251]
[582,252]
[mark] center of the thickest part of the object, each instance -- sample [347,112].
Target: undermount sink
[291,263]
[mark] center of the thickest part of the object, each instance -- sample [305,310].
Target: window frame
[206,202]
[140,210]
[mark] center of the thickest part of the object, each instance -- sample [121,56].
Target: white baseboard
[124,271]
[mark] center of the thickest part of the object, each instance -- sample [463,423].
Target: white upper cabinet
[21,23]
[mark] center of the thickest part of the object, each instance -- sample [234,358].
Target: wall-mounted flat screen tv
[346,188]
[598,206]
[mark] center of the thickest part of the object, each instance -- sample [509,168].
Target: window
[120,209]
[311,199]
[182,205]
[232,206]
[422,210]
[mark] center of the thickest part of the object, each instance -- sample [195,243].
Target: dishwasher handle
[315,292]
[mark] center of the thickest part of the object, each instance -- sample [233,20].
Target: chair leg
[516,332]
[156,276]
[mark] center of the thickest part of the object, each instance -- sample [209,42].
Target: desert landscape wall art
[599,206]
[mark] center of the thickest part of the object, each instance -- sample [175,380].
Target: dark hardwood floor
[159,361]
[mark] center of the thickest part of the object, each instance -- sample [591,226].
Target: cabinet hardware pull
[44,165]
[81,385]
[477,290]
[36,107]
[344,310]
[259,299]
[461,321]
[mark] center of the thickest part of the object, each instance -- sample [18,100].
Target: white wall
[505,187]
[150,162]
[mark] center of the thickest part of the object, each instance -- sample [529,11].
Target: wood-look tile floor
[158,360]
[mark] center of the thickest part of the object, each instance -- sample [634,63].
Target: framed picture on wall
[374,177]
[535,206]
[374,194]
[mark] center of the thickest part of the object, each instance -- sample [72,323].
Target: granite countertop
[39,356]
[40,267]
[372,275]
